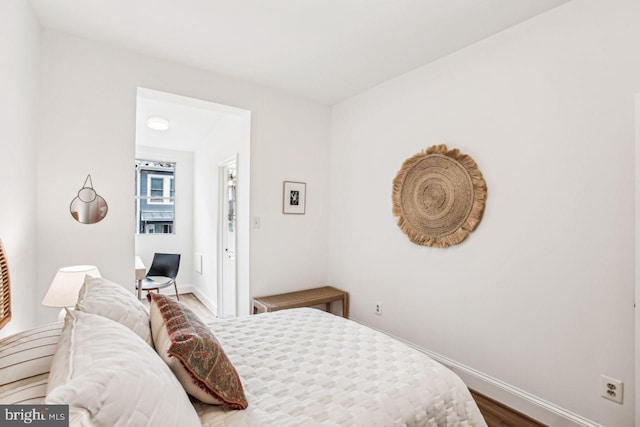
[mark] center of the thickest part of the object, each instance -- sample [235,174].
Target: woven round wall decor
[439,197]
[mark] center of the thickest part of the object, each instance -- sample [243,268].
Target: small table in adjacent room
[141,270]
[307,298]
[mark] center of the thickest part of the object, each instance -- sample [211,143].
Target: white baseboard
[520,400]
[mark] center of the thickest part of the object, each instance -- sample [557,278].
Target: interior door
[227,288]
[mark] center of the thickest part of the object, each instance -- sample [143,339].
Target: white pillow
[108,299]
[25,358]
[105,372]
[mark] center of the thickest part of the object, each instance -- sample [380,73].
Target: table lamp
[65,286]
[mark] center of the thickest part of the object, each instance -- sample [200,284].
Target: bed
[308,367]
[298,367]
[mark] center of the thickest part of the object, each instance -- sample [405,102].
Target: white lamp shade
[64,288]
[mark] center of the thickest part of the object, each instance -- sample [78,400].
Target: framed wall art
[294,197]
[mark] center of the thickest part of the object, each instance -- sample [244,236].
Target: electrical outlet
[611,388]
[378,309]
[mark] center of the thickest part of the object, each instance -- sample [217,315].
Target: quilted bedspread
[304,367]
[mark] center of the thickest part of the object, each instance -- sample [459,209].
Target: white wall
[19,61]
[181,242]
[541,295]
[227,139]
[88,126]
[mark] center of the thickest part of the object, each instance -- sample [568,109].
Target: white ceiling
[190,120]
[327,50]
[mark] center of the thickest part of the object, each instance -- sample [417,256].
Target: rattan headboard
[5,289]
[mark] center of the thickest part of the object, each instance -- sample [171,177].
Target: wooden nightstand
[307,298]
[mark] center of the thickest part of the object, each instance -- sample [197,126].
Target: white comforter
[304,367]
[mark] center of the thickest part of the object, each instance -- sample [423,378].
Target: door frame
[222,198]
[636,305]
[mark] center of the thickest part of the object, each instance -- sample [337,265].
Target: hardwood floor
[495,413]
[192,301]
[498,415]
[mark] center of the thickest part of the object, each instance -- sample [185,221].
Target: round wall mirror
[88,207]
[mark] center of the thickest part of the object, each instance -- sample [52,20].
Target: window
[155,197]
[160,189]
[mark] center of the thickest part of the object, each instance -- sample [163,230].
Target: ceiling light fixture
[158,123]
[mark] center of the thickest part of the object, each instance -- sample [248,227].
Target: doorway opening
[182,199]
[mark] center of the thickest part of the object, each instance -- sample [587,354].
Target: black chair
[163,273]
